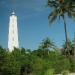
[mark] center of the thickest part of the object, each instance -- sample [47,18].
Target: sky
[33,24]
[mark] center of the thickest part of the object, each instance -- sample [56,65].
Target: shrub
[49,72]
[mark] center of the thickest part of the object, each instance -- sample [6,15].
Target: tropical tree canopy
[61,7]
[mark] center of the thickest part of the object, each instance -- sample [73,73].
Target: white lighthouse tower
[13,32]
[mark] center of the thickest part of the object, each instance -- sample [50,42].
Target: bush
[49,72]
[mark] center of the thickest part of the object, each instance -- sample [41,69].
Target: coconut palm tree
[61,8]
[47,43]
[45,47]
[70,48]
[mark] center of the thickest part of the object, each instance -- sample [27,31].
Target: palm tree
[61,8]
[47,43]
[46,46]
[70,48]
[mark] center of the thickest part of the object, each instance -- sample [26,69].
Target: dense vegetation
[45,60]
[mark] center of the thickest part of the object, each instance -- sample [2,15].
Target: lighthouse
[13,32]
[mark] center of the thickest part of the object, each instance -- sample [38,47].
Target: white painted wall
[13,33]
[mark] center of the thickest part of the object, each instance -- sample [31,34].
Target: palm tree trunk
[74,47]
[66,37]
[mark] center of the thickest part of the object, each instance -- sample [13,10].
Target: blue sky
[33,23]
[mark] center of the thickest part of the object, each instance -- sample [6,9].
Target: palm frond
[52,3]
[52,16]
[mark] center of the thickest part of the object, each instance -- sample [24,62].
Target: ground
[69,74]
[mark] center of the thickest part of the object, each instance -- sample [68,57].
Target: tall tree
[45,47]
[74,46]
[61,8]
[70,48]
[47,43]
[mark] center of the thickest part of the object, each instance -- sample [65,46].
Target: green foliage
[49,72]
[42,61]
[60,7]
